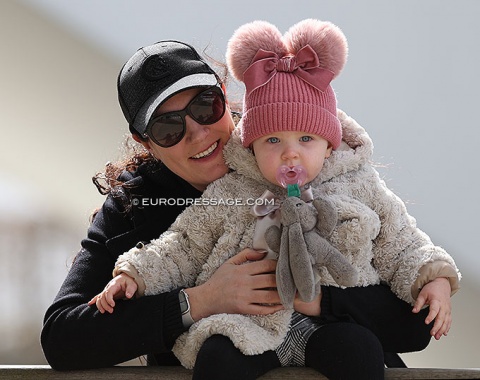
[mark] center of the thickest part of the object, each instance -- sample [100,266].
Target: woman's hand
[244,284]
[312,309]
[436,294]
[121,286]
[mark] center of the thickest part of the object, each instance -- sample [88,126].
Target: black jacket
[77,336]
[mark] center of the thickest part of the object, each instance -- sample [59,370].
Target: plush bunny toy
[302,247]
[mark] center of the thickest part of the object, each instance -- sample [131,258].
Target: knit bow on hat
[304,64]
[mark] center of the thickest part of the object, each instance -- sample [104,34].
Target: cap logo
[154,68]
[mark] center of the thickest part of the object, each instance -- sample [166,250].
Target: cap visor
[191,81]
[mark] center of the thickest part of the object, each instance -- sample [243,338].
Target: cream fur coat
[374,232]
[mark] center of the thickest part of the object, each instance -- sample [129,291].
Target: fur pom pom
[247,40]
[325,38]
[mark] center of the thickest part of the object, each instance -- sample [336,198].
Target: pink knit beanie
[287,78]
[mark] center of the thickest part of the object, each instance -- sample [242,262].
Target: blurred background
[411,80]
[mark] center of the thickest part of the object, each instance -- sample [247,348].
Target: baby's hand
[436,294]
[122,286]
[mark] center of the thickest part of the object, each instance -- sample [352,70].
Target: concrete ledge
[39,372]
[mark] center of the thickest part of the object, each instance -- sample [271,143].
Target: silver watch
[185,308]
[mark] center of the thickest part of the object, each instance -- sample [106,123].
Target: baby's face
[290,148]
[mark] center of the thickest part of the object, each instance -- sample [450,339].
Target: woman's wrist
[198,309]
[172,325]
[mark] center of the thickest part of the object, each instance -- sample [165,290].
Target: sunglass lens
[208,107]
[168,130]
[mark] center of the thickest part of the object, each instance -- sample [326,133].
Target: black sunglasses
[206,108]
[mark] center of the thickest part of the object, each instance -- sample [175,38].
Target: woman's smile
[206,153]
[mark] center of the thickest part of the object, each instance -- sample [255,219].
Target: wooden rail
[40,372]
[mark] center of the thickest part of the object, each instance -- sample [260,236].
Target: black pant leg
[377,308]
[345,350]
[220,359]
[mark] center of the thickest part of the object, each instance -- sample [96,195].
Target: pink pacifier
[291,178]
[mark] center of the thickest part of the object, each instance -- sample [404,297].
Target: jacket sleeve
[404,256]
[77,336]
[176,258]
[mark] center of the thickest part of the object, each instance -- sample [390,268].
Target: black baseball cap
[154,74]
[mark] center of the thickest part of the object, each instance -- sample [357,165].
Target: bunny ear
[247,40]
[325,38]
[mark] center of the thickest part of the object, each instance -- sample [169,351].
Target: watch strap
[187,319]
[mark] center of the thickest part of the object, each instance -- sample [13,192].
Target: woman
[71,337]
[185,156]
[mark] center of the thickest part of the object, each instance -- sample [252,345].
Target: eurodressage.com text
[146,202]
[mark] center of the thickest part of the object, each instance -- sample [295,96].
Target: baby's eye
[306,138]
[273,140]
